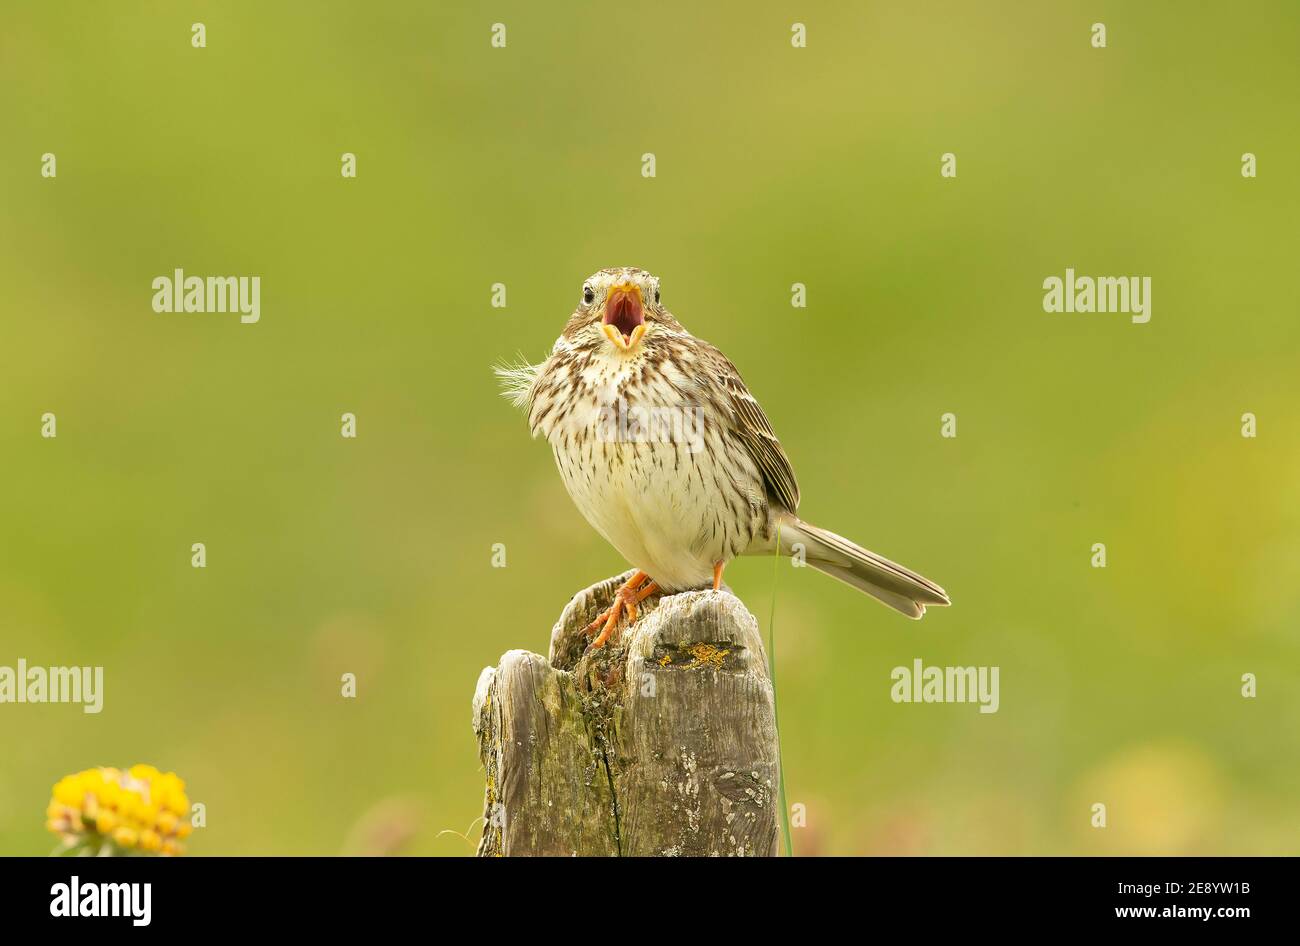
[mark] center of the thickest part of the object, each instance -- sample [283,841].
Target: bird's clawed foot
[630,594]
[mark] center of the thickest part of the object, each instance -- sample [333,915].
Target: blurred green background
[775,165]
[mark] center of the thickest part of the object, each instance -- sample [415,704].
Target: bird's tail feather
[900,588]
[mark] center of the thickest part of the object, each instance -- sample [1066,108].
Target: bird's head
[618,307]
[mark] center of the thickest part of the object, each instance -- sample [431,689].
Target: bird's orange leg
[625,599]
[717,575]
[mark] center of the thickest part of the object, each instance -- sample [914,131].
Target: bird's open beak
[624,322]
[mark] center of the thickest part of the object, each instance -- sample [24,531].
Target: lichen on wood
[663,743]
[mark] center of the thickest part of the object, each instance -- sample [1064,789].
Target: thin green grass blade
[771,672]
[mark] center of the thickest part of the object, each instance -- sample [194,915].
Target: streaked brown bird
[670,458]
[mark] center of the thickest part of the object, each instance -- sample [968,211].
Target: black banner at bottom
[303,894]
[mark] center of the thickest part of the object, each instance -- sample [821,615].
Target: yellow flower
[126,836]
[110,811]
[68,791]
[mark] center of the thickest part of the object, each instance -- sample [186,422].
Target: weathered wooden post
[662,745]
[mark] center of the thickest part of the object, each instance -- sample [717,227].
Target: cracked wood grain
[663,744]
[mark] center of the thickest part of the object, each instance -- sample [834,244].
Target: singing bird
[669,457]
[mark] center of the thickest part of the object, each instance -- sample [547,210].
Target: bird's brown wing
[755,431]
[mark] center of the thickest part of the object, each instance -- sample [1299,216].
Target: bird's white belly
[674,496]
[672,509]
[635,495]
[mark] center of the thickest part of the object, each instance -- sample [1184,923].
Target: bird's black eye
[588,295]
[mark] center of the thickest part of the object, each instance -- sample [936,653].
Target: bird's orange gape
[624,319]
[625,599]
